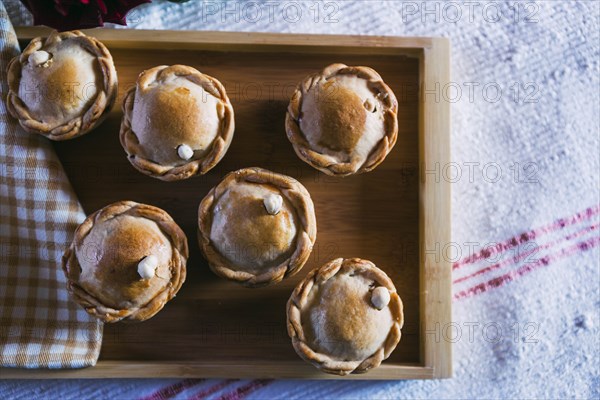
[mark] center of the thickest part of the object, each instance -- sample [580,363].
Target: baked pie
[342,120]
[177,122]
[126,262]
[62,87]
[256,227]
[345,317]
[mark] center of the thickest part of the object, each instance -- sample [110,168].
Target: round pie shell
[298,300]
[200,166]
[322,162]
[169,228]
[78,126]
[306,235]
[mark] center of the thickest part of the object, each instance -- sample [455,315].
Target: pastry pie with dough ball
[345,317]
[126,262]
[62,87]
[256,227]
[177,122]
[343,120]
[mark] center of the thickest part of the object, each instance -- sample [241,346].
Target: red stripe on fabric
[211,390]
[245,390]
[526,236]
[503,279]
[524,255]
[172,390]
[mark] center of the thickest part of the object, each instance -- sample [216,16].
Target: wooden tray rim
[434,220]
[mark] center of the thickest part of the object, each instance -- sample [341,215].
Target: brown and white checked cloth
[40,325]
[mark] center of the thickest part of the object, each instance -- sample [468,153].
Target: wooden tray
[393,216]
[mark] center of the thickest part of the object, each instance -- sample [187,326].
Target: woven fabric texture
[525,206]
[40,326]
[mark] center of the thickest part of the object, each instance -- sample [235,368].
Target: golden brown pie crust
[133,243]
[94,112]
[343,121]
[346,323]
[174,120]
[306,229]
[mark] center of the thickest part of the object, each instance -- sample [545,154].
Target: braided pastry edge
[298,300]
[168,227]
[78,126]
[295,193]
[219,145]
[326,163]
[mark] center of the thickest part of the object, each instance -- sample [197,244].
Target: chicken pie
[342,120]
[177,122]
[126,262]
[256,227]
[62,87]
[345,317]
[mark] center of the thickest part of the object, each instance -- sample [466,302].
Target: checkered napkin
[40,326]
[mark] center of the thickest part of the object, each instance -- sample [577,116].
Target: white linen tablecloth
[525,141]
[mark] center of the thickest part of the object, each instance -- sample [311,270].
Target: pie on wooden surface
[256,227]
[343,120]
[177,122]
[62,87]
[345,317]
[126,262]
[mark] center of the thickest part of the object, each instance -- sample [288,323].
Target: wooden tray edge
[266,370]
[435,209]
[245,41]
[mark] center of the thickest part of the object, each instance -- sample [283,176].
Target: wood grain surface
[218,328]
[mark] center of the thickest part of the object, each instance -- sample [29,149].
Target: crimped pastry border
[295,193]
[329,164]
[221,143]
[298,300]
[78,126]
[178,240]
